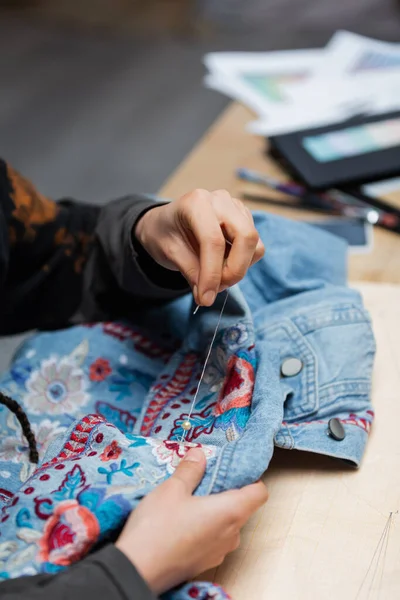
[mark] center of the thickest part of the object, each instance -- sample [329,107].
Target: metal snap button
[291,367]
[336,430]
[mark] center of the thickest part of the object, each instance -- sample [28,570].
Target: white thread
[205,365]
[381,547]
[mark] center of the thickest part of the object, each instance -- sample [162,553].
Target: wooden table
[212,163]
[316,536]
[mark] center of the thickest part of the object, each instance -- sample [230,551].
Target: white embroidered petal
[28,535]
[7,548]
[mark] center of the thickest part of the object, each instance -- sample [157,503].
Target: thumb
[191,469]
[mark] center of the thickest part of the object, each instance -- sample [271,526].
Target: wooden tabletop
[316,537]
[226,146]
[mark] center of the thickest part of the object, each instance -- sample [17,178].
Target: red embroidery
[111,452]
[5,495]
[100,369]
[169,391]
[142,343]
[77,440]
[68,534]
[38,503]
[353,419]
[237,390]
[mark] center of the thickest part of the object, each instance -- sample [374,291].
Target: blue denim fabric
[141,381]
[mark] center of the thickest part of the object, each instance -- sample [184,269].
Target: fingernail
[208,297]
[194,455]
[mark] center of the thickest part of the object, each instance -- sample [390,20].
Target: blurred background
[103,97]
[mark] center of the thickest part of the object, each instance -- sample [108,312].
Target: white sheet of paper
[353,54]
[257,79]
[350,95]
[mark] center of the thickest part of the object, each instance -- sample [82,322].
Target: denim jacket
[291,363]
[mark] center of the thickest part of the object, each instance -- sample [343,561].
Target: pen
[293,189]
[352,204]
[311,202]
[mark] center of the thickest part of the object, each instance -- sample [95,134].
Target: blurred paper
[258,79]
[350,95]
[352,54]
[301,89]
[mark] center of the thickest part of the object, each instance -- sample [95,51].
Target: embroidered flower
[235,336]
[238,386]
[68,534]
[100,369]
[232,409]
[170,453]
[111,452]
[57,388]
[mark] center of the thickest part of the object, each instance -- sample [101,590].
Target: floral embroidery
[95,476]
[57,388]
[170,453]
[235,336]
[137,440]
[68,534]
[100,369]
[78,440]
[123,382]
[202,424]
[232,410]
[165,392]
[141,342]
[111,452]
[123,419]
[5,495]
[122,468]
[73,481]
[238,386]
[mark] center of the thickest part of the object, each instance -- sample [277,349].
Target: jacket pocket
[300,391]
[336,347]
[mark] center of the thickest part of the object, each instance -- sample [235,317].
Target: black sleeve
[120,276]
[58,259]
[105,574]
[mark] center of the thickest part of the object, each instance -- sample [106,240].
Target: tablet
[353,152]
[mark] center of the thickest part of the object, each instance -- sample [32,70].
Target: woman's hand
[173,536]
[190,235]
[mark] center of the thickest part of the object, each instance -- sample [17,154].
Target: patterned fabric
[107,409]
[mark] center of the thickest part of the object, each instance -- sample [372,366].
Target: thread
[204,368]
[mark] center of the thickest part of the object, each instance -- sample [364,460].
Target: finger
[244,238]
[260,248]
[239,505]
[252,497]
[186,261]
[259,252]
[191,469]
[209,236]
